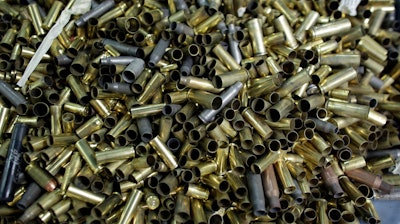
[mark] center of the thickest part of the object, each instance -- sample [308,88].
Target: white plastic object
[349,6]
[79,7]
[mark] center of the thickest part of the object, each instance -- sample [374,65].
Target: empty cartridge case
[206,99]
[256,193]
[271,189]
[90,126]
[282,24]
[87,154]
[208,114]
[309,21]
[261,127]
[352,191]
[33,10]
[256,37]
[325,30]
[332,181]
[164,153]
[130,206]
[262,163]
[369,179]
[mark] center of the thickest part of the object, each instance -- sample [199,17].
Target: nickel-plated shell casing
[14,97]
[133,70]
[159,50]
[145,129]
[41,176]
[87,154]
[30,213]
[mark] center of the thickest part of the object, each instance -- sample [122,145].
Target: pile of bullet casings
[208,111]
